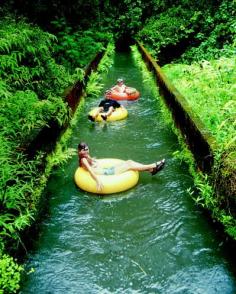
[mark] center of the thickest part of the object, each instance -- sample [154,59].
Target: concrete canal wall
[200,142]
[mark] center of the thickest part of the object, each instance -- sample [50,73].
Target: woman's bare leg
[134,165]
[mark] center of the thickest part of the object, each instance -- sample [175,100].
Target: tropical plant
[30,97]
[10,274]
[76,48]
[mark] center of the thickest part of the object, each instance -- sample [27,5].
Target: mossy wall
[200,142]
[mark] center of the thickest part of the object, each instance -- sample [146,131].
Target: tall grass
[210,89]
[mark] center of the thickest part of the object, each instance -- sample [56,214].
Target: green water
[150,239]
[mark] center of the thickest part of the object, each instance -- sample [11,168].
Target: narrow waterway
[150,239]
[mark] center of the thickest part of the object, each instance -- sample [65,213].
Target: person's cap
[82,145]
[120,80]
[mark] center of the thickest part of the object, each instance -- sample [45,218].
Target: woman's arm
[115,88]
[92,173]
[94,161]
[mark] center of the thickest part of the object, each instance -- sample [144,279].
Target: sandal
[104,117]
[159,166]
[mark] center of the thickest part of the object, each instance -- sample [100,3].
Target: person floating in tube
[120,87]
[92,165]
[107,105]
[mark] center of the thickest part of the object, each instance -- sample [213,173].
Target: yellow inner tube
[111,183]
[117,114]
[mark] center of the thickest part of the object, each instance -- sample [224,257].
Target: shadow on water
[149,239]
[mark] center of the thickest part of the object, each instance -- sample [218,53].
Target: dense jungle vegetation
[45,47]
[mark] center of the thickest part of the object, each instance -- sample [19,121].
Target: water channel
[150,239]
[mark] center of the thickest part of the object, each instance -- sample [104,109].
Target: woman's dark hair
[82,145]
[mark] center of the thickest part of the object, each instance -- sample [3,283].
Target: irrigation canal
[150,239]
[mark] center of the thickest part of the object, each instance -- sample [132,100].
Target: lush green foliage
[203,84]
[220,40]
[94,85]
[31,90]
[123,18]
[10,274]
[107,59]
[26,60]
[77,48]
[35,68]
[209,40]
[24,111]
[30,96]
[42,12]
[169,28]
[120,18]
[202,29]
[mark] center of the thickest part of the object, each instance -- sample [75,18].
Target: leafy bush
[205,30]
[31,90]
[220,41]
[26,59]
[124,19]
[10,274]
[77,48]
[169,28]
[30,96]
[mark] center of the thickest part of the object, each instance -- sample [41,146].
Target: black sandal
[159,166]
[104,117]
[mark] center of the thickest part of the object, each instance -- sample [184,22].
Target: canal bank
[150,239]
[214,174]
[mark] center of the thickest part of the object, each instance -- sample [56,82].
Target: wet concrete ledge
[200,141]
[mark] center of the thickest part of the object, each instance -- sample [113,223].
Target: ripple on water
[192,280]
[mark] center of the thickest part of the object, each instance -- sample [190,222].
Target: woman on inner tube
[120,86]
[92,165]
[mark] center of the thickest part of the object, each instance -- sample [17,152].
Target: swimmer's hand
[94,162]
[99,186]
